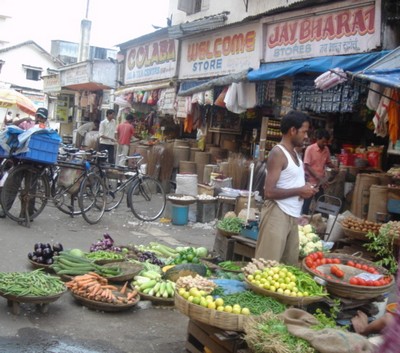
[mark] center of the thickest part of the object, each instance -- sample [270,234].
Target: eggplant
[58,247]
[47,253]
[49,261]
[40,260]
[56,253]
[38,252]
[34,258]
[37,246]
[30,255]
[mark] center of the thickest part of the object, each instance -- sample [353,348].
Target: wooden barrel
[187,167]
[193,151]
[208,169]
[202,157]
[181,153]
[179,143]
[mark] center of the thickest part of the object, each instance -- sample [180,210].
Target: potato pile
[361,225]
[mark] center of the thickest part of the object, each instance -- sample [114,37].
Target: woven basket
[212,317]
[225,233]
[355,234]
[285,299]
[344,288]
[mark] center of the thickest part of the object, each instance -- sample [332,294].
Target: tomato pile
[316,259]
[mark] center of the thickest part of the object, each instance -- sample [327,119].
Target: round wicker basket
[344,288]
[226,233]
[212,317]
[178,199]
[354,234]
[285,299]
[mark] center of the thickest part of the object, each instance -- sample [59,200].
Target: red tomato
[350,263]
[336,260]
[320,254]
[362,282]
[309,263]
[329,261]
[358,266]
[365,267]
[354,280]
[323,261]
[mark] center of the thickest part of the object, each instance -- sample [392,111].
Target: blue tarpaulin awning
[385,71]
[275,70]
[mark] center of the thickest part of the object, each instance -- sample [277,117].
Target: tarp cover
[385,71]
[354,63]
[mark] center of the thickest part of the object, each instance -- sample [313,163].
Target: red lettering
[250,41]
[358,23]
[305,31]
[217,45]
[210,53]
[237,44]
[317,29]
[171,50]
[292,32]
[370,19]
[226,46]
[328,28]
[273,39]
[343,24]
[163,48]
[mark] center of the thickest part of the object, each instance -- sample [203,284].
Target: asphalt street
[67,326]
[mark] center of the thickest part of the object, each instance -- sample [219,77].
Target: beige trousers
[278,237]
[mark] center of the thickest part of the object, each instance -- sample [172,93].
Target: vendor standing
[285,189]
[316,158]
[107,135]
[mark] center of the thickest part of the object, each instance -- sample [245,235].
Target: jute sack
[360,200]
[378,196]
[327,340]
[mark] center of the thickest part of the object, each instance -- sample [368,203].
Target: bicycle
[146,196]
[29,184]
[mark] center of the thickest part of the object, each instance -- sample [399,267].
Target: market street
[68,327]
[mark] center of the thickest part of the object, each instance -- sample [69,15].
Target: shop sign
[151,61]
[51,83]
[75,75]
[221,52]
[338,32]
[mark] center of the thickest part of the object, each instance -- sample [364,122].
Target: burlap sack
[328,340]
[360,201]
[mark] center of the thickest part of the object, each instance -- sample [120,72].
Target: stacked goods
[95,287]
[361,225]
[74,263]
[30,284]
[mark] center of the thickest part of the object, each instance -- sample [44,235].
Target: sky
[113,22]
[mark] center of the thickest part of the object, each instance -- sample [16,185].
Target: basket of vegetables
[229,226]
[357,228]
[349,276]
[36,287]
[287,284]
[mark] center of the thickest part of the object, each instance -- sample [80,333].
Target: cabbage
[201,252]
[77,252]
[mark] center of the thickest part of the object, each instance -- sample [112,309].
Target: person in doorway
[316,158]
[125,131]
[285,189]
[107,135]
[82,130]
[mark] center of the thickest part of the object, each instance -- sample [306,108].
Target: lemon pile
[277,279]
[200,297]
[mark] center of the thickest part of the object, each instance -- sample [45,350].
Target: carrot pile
[95,287]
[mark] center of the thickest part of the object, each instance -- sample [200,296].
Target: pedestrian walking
[107,135]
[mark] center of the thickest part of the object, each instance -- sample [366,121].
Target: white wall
[236,8]
[13,71]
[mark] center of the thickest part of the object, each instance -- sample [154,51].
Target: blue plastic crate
[250,231]
[43,148]
[393,206]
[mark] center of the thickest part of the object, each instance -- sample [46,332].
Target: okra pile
[30,284]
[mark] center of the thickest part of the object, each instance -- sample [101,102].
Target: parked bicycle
[145,195]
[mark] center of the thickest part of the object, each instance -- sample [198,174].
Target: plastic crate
[43,148]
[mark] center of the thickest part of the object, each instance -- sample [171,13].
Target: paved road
[68,327]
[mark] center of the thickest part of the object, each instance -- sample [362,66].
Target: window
[190,6]
[34,75]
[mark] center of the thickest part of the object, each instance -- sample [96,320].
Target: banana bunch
[159,288]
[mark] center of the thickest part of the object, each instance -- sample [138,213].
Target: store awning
[187,88]
[385,71]
[354,63]
[145,87]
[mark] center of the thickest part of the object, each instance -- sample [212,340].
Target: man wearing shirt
[107,135]
[316,158]
[84,129]
[125,132]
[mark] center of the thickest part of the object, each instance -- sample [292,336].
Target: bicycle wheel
[147,199]
[25,193]
[92,198]
[66,202]
[114,195]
